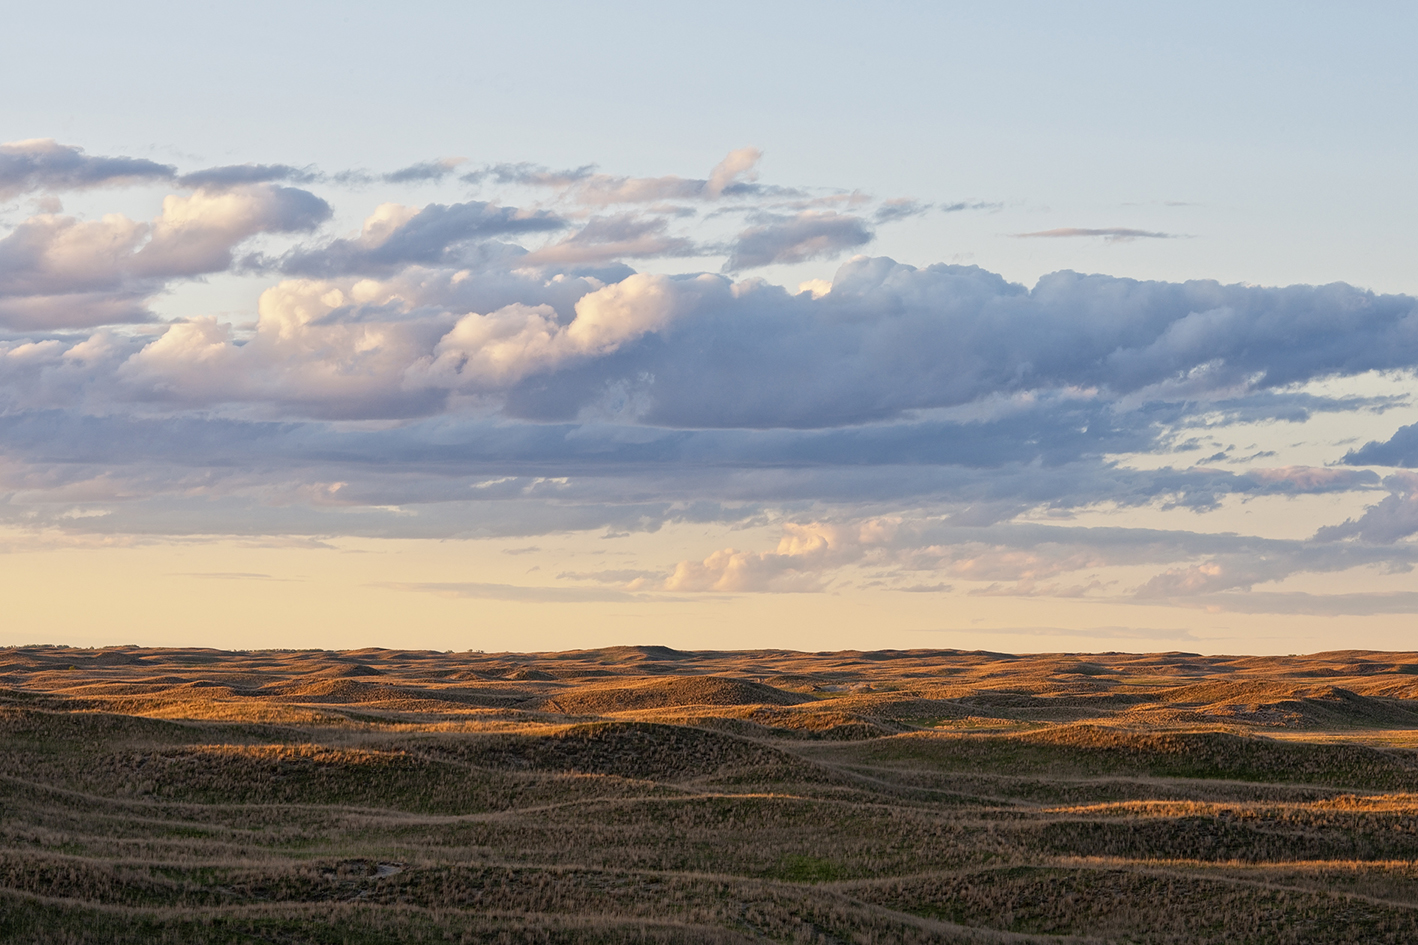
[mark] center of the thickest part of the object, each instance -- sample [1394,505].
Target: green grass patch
[801,868]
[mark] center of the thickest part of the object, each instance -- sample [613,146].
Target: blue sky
[1016,325]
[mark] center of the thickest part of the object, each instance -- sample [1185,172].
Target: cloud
[632,578]
[1103,633]
[231,576]
[736,571]
[606,238]
[1311,479]
[737,168]
[960,205]
[518,593]
[331,367]
[902,208]
[1112,234]
[890,338]
[430,480]
[505,346]
[733,176]
[1009,561]
[343,349]
[425,172]
[396,236]
[812,234]
[44,164]
[526,174]
[897,338]
[480,369]
[237,175]
[444,459]
[60,272]
[809,553]
[1401,449]
[1300,602]
[798,564]
[1390,520]
[655,350]
[1237,570]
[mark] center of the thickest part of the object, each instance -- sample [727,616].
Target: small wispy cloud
[959,205]
[1097,633]
[238,175]
[230,576]
[516,592]
[1112,234]
[1357,604]
[426,171]
[900,208]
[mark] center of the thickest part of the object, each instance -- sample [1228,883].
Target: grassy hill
[651,795]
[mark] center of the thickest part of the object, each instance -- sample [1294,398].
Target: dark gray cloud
[986,473]
[1390,520]
[812,234]
[444,478]
[901,208]
[1401,449]
[44,164]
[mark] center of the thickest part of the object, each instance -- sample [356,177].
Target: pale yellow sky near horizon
[234,594]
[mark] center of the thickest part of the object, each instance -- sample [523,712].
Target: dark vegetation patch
[670,693]
[638,750]
[1139,906]
[1093,751]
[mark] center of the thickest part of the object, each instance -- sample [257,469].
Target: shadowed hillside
[648,794]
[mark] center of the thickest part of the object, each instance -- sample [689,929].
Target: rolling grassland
[641,794]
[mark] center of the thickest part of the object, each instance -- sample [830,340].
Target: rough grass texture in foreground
[644,794]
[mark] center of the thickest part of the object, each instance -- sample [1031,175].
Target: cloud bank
[492,364]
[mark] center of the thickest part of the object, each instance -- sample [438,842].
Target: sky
[816,326]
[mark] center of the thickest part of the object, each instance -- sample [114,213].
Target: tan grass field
[649,795]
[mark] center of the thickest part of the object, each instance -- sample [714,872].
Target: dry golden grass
[646,794]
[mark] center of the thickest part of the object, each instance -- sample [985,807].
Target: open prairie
[651,795]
